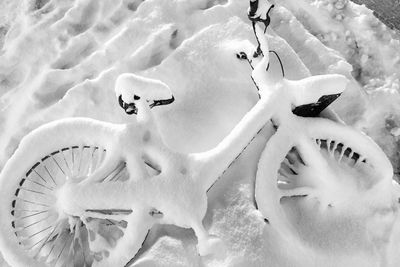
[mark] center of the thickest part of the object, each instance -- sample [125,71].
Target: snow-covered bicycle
[81,192]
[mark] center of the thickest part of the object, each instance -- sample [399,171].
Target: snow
[372,49]
[128,85]
[62,60]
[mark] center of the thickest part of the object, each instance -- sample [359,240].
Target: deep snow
[61,58]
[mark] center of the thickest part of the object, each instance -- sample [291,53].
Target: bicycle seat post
[144,113]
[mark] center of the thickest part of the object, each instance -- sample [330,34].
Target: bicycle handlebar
[303,92]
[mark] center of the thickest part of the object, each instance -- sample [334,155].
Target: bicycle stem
[263,64]
[260,74]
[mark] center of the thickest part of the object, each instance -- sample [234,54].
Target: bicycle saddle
[130,88]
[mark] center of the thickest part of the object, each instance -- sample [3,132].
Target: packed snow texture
[61,59]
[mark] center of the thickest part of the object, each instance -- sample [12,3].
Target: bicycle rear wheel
[323,160]
[36,232]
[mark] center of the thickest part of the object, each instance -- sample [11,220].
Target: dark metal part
[252,17]
[162,102]
[156,214]
[280,62]
[314,109]
[110,211]
[130,108]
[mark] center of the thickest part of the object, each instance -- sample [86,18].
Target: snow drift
[61,59]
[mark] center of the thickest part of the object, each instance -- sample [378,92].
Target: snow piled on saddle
[61,59]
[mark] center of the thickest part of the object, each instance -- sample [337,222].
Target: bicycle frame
[188,177]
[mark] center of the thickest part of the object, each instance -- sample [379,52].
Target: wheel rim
[284,175]
[346,172]
[47,235]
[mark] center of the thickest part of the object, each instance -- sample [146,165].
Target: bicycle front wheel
[35,231]
[323,160]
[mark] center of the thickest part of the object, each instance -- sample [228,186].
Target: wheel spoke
[39,184]
[310,153]
[51,176]
[31,215]
[46,239]
[53,238]
[68,167]
[40,176]
[116,173]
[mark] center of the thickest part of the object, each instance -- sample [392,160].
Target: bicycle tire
[33,231]
[283,166]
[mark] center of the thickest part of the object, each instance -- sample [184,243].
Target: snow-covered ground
[60,58]
[387,11]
